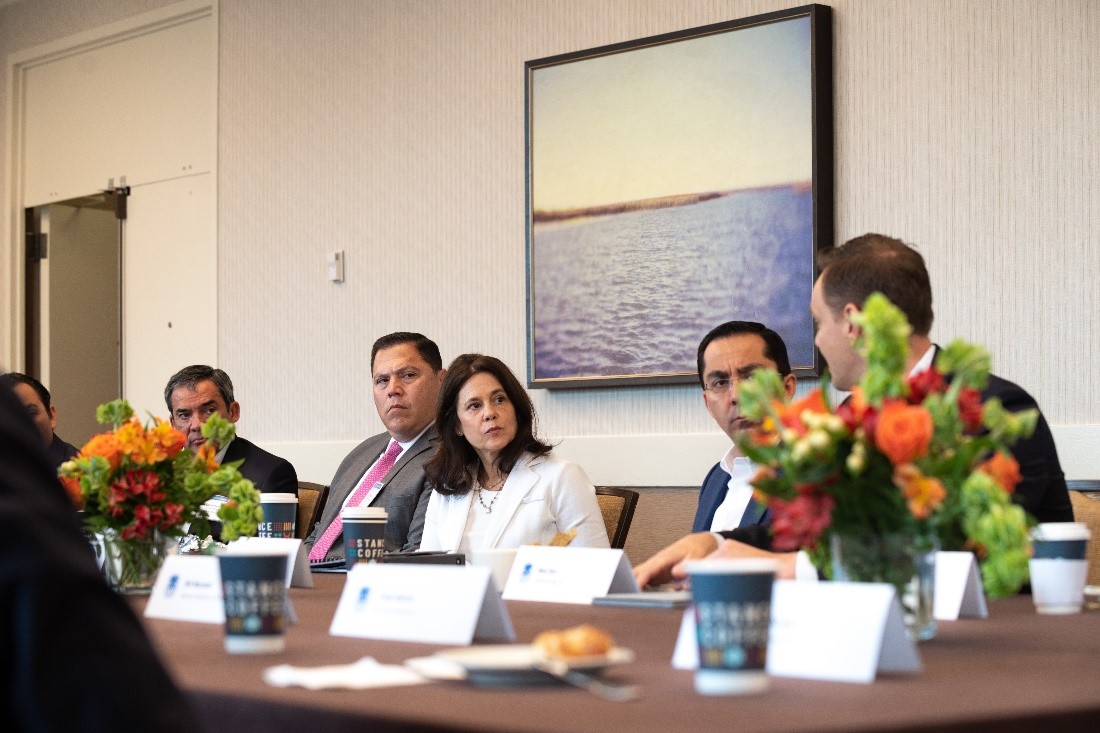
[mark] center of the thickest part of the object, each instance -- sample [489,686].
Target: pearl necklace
[496,494]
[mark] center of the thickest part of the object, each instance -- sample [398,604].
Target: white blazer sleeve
[575,506]
[431,539]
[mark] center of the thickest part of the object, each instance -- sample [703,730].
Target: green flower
[884,344]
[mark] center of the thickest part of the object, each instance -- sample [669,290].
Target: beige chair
[311,500]
[1085,496]
[617,506]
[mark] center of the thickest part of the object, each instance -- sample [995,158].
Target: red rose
[970,409]
[800,522]
[923,384]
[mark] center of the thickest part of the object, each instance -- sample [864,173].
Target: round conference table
[1014,671]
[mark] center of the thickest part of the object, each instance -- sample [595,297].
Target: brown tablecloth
[1014,671]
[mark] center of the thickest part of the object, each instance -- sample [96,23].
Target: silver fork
[599,688]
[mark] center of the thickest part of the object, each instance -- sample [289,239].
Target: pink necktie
[376,474]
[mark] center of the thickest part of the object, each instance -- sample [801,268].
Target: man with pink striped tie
[387,470]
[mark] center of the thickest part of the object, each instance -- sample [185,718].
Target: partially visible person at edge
[73,657]
[195,393]
[849,274]
[495,485]
[36,398]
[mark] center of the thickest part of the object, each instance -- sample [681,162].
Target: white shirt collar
[220,455]
[924,363]
[733,461]
[406,444]
[738,491]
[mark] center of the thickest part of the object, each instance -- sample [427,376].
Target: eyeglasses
[719,386]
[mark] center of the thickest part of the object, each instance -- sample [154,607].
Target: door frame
[13,233]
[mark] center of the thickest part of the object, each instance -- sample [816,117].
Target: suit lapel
[236,450]
[710,498]
[348,479]
[519,484]
[754,512]
[426,442]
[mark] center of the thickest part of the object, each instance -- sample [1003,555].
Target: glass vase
[131,565]
[906,562]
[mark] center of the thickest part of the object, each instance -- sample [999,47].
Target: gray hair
[190,377]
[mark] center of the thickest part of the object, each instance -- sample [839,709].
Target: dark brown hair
[189,378]
[774,348]
[427,349]
[13,378]
[877,263]
[452,468]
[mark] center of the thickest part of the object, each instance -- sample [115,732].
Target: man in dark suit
[849,274]
[727,355]
[36,398]
[387,470]
[72,654]
[195,393]
[877,263]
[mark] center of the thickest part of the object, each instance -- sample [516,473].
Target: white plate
[507,664]
[504,657]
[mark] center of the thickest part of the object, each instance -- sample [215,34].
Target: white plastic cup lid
[277,498]
[1061,531]
[363,513]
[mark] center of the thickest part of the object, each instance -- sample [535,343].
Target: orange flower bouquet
[138,487]
[921,460]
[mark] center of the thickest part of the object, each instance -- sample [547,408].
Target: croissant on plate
[579,641]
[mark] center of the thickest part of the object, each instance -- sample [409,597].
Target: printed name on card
[188,588]
[430,604]
[568,574]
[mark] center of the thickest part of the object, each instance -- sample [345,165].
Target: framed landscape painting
[675,183]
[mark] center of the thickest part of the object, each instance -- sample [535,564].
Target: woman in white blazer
[495,484]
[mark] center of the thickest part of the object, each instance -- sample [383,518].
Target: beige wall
[394,131]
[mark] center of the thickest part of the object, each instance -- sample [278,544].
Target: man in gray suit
[387,470]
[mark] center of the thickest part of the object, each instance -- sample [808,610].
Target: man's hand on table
[667,566]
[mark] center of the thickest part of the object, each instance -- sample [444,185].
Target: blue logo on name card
[173,583]
[526,571]
[362,599]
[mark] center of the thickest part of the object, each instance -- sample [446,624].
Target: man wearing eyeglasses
[850,273]
[387,470]
[195,393]
[728,355]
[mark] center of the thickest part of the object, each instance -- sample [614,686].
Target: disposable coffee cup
[364,534]
[254,590]
[732,601]
[280,515]
[499,561]
[1059,566]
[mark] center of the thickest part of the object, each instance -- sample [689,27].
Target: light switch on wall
[336,266]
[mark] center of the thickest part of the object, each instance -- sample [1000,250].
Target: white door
[134,104]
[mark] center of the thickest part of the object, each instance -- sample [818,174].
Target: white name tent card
[958,587]
[188,588]
[686,653]
[568,574]
[430,604]
[838,632]
[297,568]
